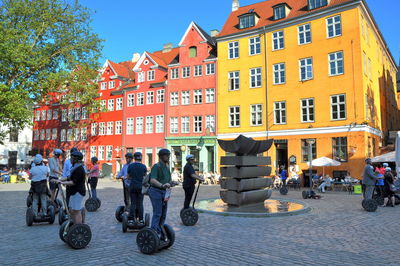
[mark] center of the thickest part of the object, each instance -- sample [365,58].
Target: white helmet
[189,156]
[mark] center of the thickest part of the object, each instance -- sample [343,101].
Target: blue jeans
[159,208]
[94,193]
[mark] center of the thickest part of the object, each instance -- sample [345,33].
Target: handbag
[392,188]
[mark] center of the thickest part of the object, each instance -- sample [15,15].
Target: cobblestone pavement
[336,232]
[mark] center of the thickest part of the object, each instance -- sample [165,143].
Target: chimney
[167,47]
[135,57]
[235,5]
[214,33]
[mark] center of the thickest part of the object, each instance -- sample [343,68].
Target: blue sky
[129,26]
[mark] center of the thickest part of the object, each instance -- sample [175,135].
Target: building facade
[15,152]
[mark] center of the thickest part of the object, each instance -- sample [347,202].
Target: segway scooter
[134,224]
[77,236]
[91,204]
[283,189]
[122,209]
[57,204]
[190,216]
[48,217]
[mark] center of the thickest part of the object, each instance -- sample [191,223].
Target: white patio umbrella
[397,151]
[324,161]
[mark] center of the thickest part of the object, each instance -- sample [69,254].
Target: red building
[191,105]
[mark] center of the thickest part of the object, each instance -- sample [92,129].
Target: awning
[385,158]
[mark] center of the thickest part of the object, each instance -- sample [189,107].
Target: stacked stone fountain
[243,176]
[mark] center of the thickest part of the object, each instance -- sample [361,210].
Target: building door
[211,158]
[12,159]
[281,153]
[177,158]
[149,157]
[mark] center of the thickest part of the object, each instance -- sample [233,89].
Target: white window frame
[38,115]
[77,112]
[175,73]
[185,97]
[198,124]
[233,50]
[103,86]
[149,124]
[44,113]
[42,134]
[54,133]
[111,84]
[234,80]
[277,37]
[150,97]
[140,99]
[210,69]
[63,135]
[119,104]
[185,124]
[256,110]
[55,114]
[94,129]
[151,75]
[198,70]
[338,106]
[49,114]
[93,151]
[306,66]
[198,96]
[210,95]
[110,128]
[141,76]
[234,116]
[254,45]
[186,72]
[130,126]
[109,152]
[210,123]
[160,96]
[305,110]
[110,105]
[118,127]
[332,23]
[302,32]
[85,114]
[174,98]
[335,61]
[131,100]
[282,112]
[84,133]
[174,125]
[139,125]
[277,70]
[48,133]
[160,124]
[101,153]
[256,74]
[102,129]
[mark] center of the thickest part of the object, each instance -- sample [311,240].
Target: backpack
[146,182]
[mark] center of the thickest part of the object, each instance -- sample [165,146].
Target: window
[63,135]
[307,110]
[141,76]
[49,114]
[102,128]
[279,73]
[304,34]
[256,114]
[333,26]
[93,151]
[63,115]
[70,134]
[94,129]
[210,123]
[111,84]
[160,96]
[185,97]
[338,107]
[129,126]
[247,21]
[42,134]
[255,77]
[173,124]
[339,149]
[84,113]
[54,134]
[198,70]
[279,12]
[103,86]
[119,104]
[109,150]
[111,105]
[160,124]
[102,105]
[101,153]
[77,113]
[110,128]
[149,124]
[185,124]
[84,133]
[140,98]
[365,63]
[280,113]
[312,4]
[369,68]
[48,134]
[305,149]
[306,69]
[198,96]
[192,51]
[336,66]
[36,135]
[210,95]
[234,116]
[70,114]
[118,127]
[210,69]
[43,115]
[185,72]
[198,124]
[278,40]
[139,125]
[175,73]
[233,50]
[55,114]
[151,75]
[174,98]
[254,46]
[131,100]
[234,81]
[37,115]
[150,97]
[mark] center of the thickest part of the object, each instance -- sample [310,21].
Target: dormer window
[279,12]
[313,4]
[247,21]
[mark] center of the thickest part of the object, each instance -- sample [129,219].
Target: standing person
[283,175]
[68,164]
[380,182]
[136,173]
[387,190]
[76,190]
[38,176]
[160,180]
[94,174]
[369,179]
[123,174]
[55,171]
[189,180]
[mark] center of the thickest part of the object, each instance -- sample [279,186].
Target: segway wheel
[147,219]
[147,241]
[118,213]
[370,205]
[29,200]
[29,216]
[98,203]
[59,204]
[379,199]
[51,212]
[62,216]
[62,232]
[170,235]
[91,205]
[79,236]
[124,223]
[304,194]
[189,217]
[283,190]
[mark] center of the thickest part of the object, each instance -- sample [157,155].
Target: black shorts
[52,185]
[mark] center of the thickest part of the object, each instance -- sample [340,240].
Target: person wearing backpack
[388,188]
[136,172]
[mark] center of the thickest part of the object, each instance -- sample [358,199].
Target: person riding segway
[159,235]
[55,173]
[189,216]
[93,203]
[40,211]
[136,172]
[123,174]
[283,175]
[369,180]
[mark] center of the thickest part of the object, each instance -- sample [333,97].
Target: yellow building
[307,69]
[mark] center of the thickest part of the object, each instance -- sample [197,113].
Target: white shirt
[39,173]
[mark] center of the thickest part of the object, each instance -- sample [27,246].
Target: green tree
[45,46]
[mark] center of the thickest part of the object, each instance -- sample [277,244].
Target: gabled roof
[123,69]
[266,13]
[158,58]
[202,33]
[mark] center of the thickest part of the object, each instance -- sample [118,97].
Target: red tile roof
[265,12]
[163,59]
[123,69]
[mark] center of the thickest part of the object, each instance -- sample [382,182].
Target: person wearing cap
[387,191]
[136,173]
[68,164]
[160,181]
[76,189]
[38,176]
[123,174]
[94,174]
[380,182]
[189,180]
[369,179]
[55,171]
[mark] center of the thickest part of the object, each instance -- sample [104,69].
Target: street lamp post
[310,142]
